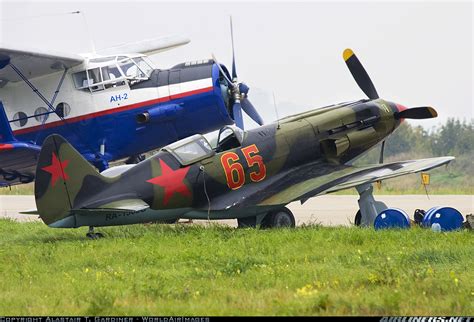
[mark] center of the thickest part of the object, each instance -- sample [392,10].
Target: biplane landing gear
[92,235]
[369,208]
[357,218]
[279,218]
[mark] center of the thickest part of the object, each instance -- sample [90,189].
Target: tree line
[454,137]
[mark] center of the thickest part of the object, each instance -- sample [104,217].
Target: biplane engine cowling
[160,114]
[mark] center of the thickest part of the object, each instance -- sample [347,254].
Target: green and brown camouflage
[247,175]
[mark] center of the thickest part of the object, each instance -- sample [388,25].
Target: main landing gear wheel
[92,235]
[279,218]
[357,218]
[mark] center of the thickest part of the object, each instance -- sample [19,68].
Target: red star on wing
[172,181]
[57,169]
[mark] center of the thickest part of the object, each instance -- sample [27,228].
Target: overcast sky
[416,53]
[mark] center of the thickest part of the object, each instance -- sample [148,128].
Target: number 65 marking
[234,171]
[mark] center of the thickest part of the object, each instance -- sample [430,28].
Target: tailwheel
[279,218]
[357,218]
[93,235]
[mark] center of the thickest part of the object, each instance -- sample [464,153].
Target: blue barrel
[425,221]
[392,218]
[448,218]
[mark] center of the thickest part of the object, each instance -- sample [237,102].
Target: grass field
[194,270]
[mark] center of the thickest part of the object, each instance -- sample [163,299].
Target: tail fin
[62,175]
[6,134]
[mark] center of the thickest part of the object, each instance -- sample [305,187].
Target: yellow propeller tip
[347,54]
[433,112]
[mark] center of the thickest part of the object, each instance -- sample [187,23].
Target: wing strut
[37,92]
[49,104]
[43,121]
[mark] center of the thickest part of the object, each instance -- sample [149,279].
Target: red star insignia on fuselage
[57,169]
[172,181]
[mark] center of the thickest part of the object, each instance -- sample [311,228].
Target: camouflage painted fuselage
[273,166]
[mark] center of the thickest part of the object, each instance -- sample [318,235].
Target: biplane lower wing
[17,158]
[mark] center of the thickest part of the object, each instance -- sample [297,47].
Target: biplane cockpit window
[106,72]
[95,79]
[144,67]
[80,79]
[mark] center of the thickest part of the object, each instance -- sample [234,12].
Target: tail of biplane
[63,178]
[18,158]
[6,134]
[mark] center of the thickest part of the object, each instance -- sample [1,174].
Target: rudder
[60,175]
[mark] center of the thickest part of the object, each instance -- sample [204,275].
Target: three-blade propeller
[239,91]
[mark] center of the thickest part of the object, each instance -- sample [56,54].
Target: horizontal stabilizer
[126,205]
[30,212]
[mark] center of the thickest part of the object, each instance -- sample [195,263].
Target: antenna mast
[276,111]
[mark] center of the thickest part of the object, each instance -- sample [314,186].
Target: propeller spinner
[239,91]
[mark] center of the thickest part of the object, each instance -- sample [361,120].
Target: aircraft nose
[400,107]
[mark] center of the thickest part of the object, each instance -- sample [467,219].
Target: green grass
[193,270]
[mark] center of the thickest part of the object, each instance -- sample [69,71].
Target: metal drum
[448,218]
[392,218]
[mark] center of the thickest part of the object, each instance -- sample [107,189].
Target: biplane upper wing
[146,46]
[308,182]
[33,62]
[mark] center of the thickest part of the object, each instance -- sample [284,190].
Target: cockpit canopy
[190,149]
[196,148]
[112,71]
[230,137]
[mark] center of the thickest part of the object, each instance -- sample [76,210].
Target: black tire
[358,218]
[94,235]
[279,218]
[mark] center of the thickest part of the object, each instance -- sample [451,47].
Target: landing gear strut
[369,207]
[92,235]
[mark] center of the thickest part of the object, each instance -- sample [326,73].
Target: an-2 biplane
[109,105]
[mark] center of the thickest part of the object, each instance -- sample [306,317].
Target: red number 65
[234,171]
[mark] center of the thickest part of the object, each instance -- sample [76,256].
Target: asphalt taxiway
[329,210]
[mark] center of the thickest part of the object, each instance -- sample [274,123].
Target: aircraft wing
[146,46]
[33,62]
[306,183]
